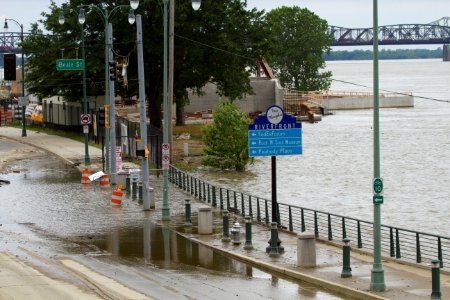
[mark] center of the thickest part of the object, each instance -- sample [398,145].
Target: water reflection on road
[45,196]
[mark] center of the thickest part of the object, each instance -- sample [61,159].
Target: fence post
[242,204]
[344,231]
[209,194]
[278,214]
[397,244]
[418,253]
[316,225]
[235,201]
[214,199]
[204,191]
[187,183]
[291,227]
[330,232]
[184,181]
[221,199]
[228,198]
[192,185]
[391,242]
[195,189]
[250,210]
[359,235]
[258,211]
[303,220]
[441,262]
[267,212]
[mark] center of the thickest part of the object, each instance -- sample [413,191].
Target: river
[335,172]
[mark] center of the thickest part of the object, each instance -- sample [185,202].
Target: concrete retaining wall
[266,94]
[363,102]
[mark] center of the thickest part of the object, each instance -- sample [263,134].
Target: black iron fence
[413,246]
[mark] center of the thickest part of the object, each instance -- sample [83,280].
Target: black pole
[274,190]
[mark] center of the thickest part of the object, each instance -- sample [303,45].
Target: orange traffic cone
[117,196]
[85,176]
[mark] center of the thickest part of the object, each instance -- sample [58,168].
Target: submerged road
[62,241]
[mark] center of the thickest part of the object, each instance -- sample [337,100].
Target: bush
[226,140]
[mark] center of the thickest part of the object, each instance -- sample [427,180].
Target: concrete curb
[331,286]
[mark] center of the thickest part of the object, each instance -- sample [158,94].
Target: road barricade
[117,196]
[104,181]
[85,176]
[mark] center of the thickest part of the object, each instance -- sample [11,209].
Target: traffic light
[101,116]
[119,73]
[9,65]
[112,70]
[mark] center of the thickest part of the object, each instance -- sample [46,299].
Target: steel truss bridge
[437,32]
[9,42]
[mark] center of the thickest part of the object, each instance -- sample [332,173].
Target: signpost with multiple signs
[274,134]
[378,197]
[165,156]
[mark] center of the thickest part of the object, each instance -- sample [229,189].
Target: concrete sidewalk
[402,281]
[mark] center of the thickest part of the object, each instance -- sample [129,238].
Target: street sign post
[272,135]
[70,65]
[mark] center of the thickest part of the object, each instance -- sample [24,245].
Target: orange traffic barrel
[104,181]
[117,196]
[85,176]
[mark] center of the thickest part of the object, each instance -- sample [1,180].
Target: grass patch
[195,130]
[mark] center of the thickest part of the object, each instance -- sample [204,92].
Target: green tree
[226,140]
[297,41]
[211,45]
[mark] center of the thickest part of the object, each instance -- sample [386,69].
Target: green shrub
[226,140]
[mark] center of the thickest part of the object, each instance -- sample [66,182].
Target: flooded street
[46,211]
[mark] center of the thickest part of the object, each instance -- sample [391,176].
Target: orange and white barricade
[117,196]
[85,176]
[104,181]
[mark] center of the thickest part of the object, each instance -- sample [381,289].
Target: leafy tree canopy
[297,41]
[226,140]
[212,44]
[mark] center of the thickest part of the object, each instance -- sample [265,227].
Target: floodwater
[46,205]
[335,172]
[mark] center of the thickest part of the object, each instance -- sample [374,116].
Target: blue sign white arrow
[275,134]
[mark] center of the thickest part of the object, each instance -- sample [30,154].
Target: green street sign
[377,185]
[377,199]
[69,65]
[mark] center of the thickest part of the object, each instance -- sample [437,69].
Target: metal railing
[408,245]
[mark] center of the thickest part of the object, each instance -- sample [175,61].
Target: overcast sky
[346,13]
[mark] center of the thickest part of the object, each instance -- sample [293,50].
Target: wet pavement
[46,208]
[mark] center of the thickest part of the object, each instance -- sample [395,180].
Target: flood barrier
[398,243]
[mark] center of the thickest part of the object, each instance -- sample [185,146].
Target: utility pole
[143,115]
[112,111]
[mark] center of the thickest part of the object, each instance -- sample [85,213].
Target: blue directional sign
[274,134]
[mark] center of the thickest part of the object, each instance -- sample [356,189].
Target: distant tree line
[384,54]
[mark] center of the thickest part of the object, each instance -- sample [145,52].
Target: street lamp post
[81,20]
[110,135]
[377,273]
[195,5]
[24,129]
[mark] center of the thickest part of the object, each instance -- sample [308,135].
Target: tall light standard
[195,5]
[81,20]
[24,129]
[377,273]
[109,134]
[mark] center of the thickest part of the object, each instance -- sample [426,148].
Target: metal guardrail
[408,245]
